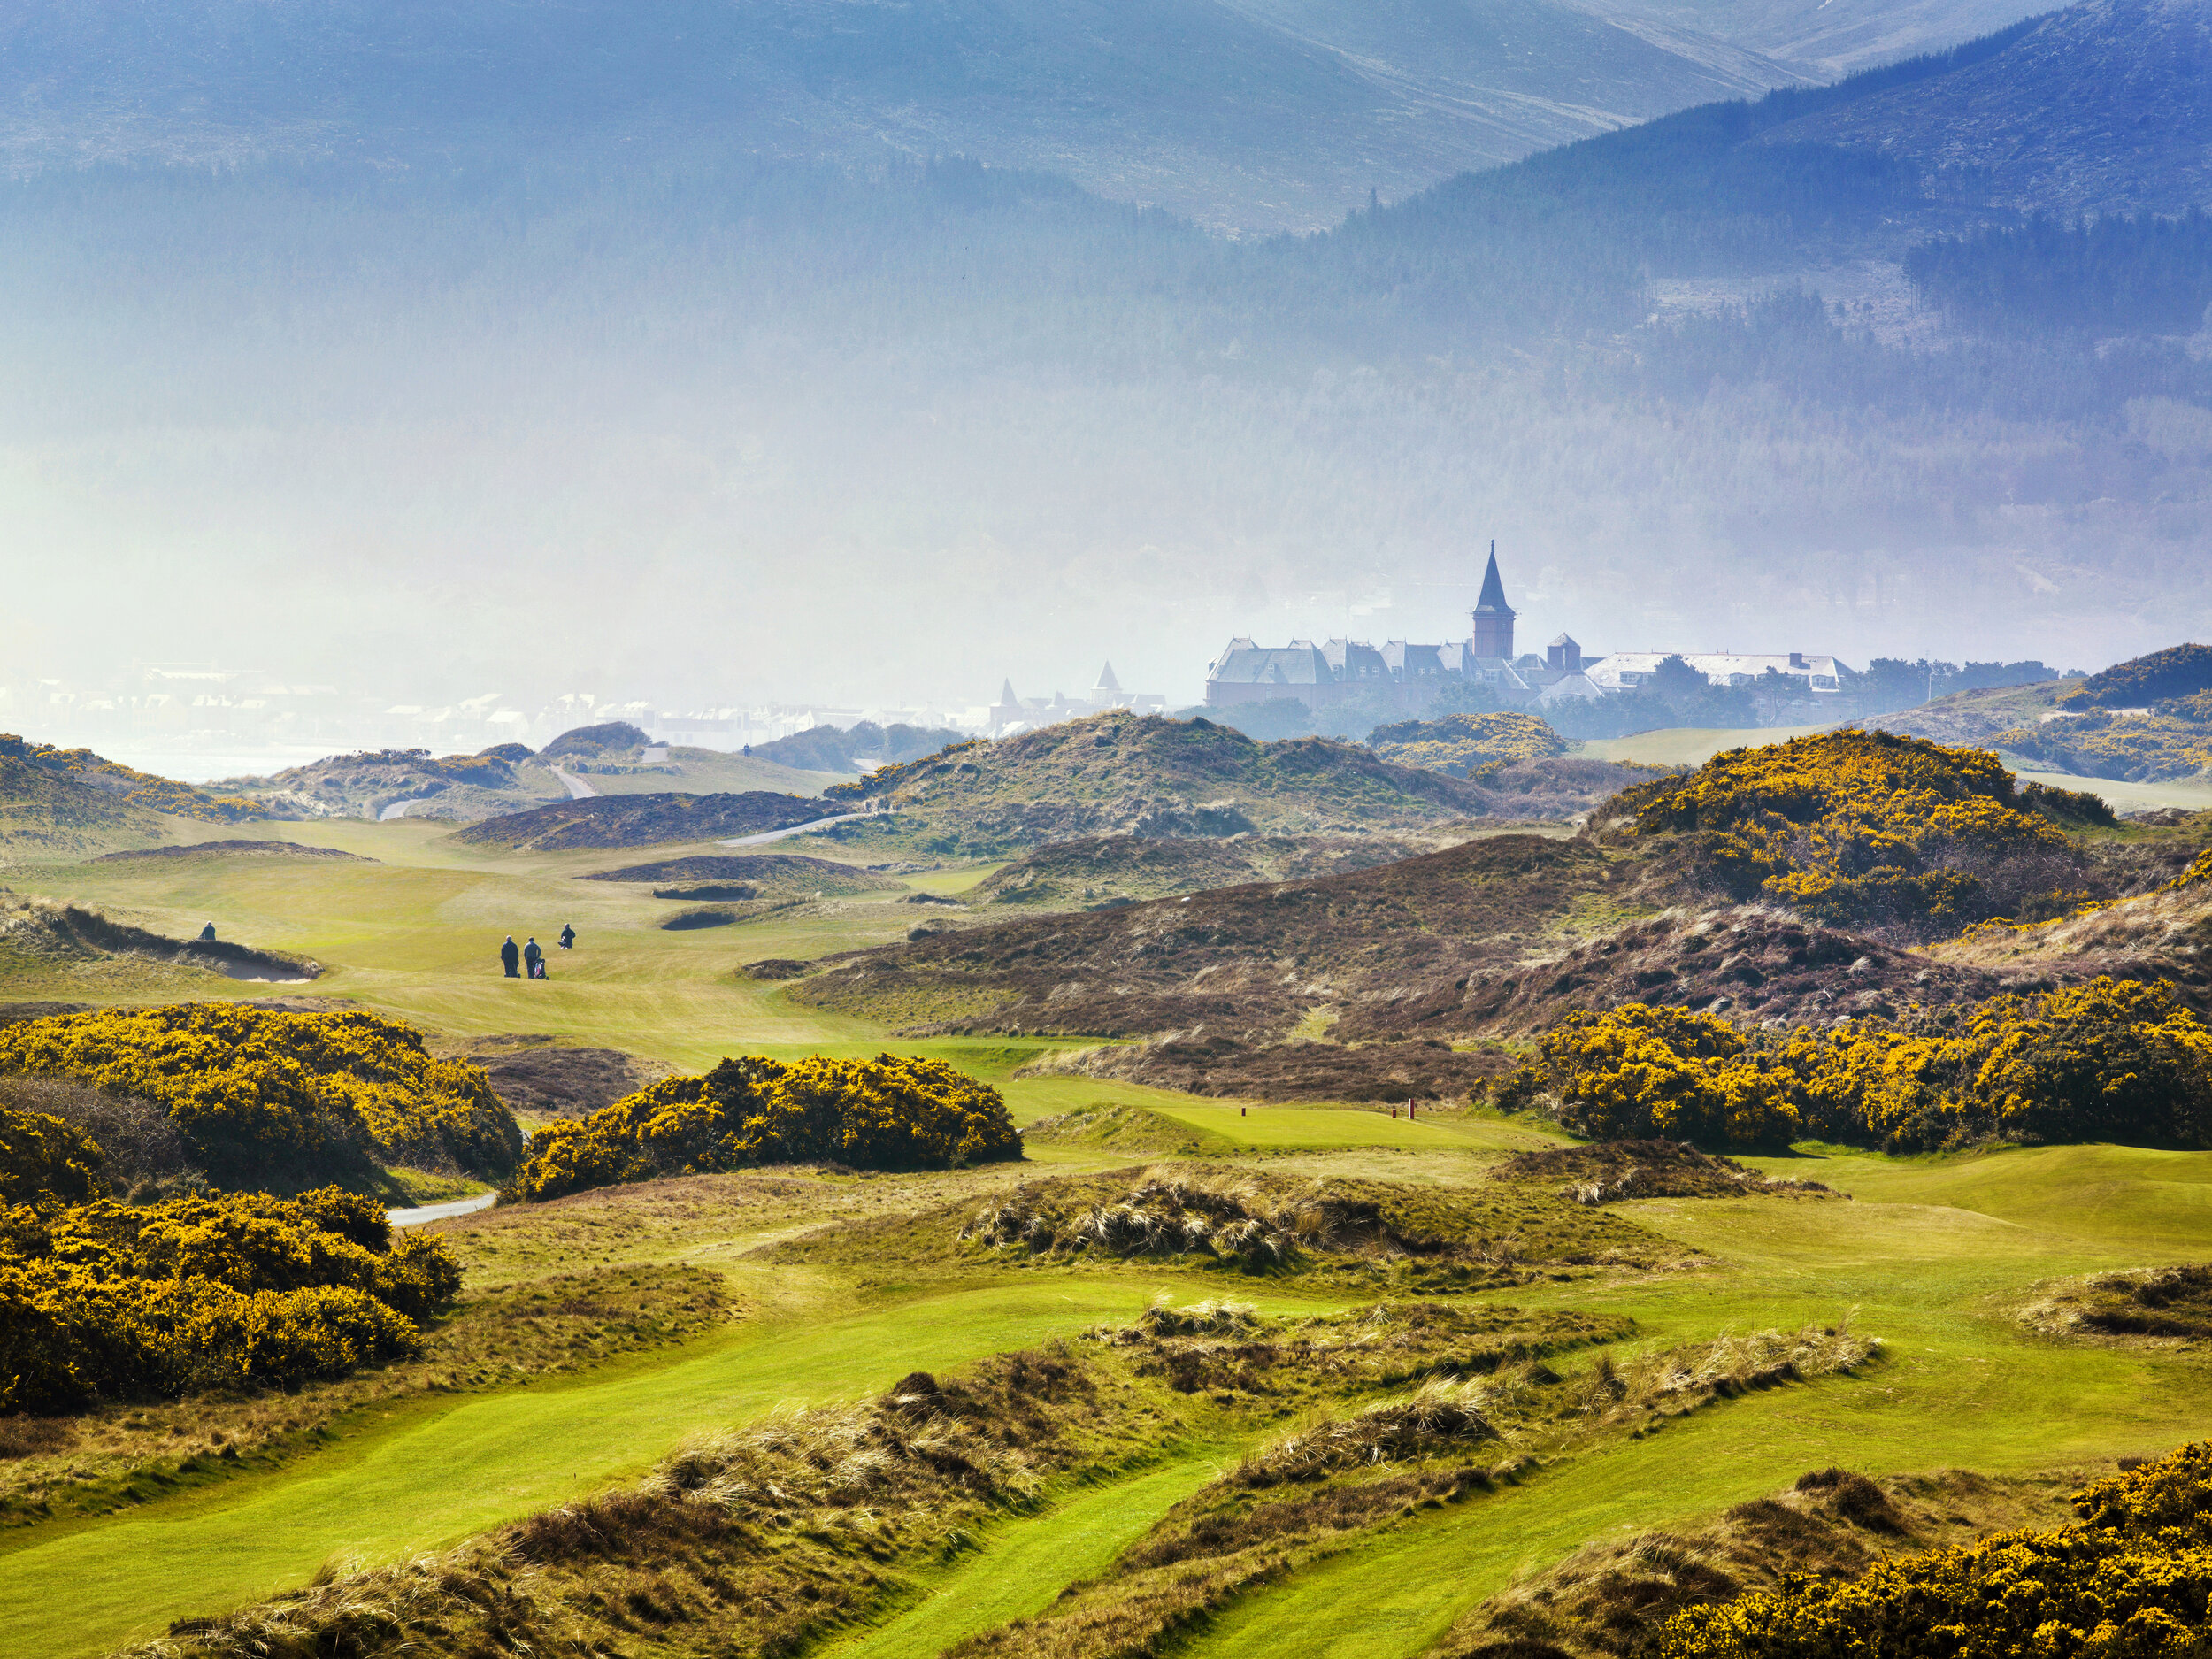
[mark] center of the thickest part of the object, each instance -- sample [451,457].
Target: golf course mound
[889,1113]
[278,1099]
[545,1078]
[641,820]
[368,782]
[58,934]
[758,875]
[1105,871]
[773,1535]
[1119,1129]
[1120,773]
[2170,1303]
[47,813]
[1617,1596]
[198,850]
[1609,1172]
[1251,1222]
[1459,745]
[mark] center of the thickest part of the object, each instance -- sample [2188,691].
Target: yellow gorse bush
[2132,1581]
[2112,1060]
[1640,1071]
[887,1113]
[43,1160]
[103,1301]
[1856,825]
[273,1096]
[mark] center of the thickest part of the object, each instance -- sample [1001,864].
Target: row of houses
[1408,676]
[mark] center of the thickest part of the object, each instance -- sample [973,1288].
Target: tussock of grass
[2170,1303]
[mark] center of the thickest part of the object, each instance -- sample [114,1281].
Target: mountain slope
[1255,114]
[2102,108]
[1827,38]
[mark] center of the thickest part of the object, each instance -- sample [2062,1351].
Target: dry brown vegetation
[2169,1303]
[1610,1170]
[537,1077]
[1114,870]
[640,820]
[1241,962]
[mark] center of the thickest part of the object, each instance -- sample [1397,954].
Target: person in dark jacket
[533,958]
[207,934]
[568,937]
[509,957]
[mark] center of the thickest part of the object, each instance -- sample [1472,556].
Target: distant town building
[1410,675]
[1012,713]
[1817,674]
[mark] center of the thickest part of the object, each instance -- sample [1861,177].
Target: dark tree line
[2107,276]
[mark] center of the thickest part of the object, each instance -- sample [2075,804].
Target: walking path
[577,789]
[807,828]
[421,1213]
[398,808]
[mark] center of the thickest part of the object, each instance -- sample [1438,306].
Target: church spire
[1493,600]
[1494,618]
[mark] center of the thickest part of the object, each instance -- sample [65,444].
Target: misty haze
[1020,828]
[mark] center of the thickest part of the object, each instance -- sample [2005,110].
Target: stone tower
[1494,618]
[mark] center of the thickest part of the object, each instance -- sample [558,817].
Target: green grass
[1686,745]
[443,1470]
[1962,1384]
[1018,1568]
[2190,794]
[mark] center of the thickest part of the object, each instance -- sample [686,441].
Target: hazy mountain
[1827,38]
[1254,113]
[2102,108]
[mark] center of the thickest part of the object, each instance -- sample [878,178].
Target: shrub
[889,1113]
[1639,1072]
[270,1097]
[137,1144]
[1463,744]
[1862,825]
[43,1160]
[2112,1060]
[2131,1581]
[101,1301]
